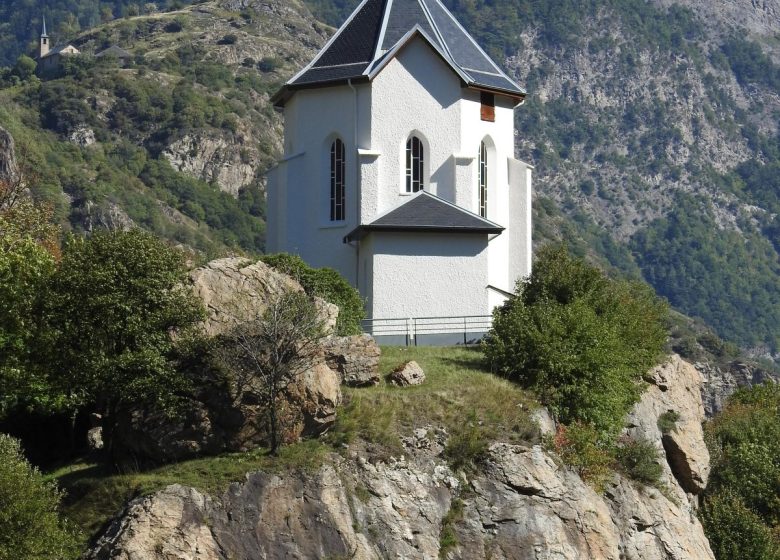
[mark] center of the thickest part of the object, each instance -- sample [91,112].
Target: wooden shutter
[488,110]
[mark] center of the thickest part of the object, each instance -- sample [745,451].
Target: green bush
[639,460]
[579,339]
[30,527]
[741,512]
[734,531]
[667,422]
[327,284]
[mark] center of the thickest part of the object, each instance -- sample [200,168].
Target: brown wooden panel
[488,109]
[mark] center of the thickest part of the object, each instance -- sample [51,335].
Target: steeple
[379,28]
[43,49]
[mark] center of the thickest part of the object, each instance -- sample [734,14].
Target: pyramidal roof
[377,29]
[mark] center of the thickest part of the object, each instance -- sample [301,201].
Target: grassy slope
[458,393]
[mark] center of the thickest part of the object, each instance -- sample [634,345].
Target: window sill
[333,225]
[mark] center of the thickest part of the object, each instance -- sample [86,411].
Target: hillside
[653,128]
[177,142]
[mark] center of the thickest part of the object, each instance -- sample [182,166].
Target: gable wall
[416,91]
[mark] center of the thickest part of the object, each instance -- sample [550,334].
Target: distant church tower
[44,45]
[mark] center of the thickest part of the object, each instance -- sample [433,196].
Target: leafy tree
[327,284]
[741,511]
[269,354]
[114,302]
[30,527]
[579,339]
[25,67]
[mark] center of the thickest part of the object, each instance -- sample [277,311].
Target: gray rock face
[522,505]
[354,358]
[720,383]
[235,289]
[675,387]
[8,167]
[407,374]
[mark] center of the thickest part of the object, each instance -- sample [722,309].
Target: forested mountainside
[178,141]
[656,122]
[653,128]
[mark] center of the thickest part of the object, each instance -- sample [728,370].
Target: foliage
[467,446]
[735,531]
[327,284]
[742,501]
[713,273]
[28,249]
[30,526]
[639,460]
[581,447]
[448,538]
[268,355]
[579,339]
[113,303]
[667,422]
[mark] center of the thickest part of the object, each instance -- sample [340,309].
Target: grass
[459,395]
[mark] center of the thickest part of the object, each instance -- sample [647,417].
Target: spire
[378,27]
[43,33]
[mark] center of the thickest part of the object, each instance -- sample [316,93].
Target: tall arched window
[338,169]
[415,165]
[483,180]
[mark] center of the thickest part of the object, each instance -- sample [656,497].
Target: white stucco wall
[427,275]
[403,274]
[415,93]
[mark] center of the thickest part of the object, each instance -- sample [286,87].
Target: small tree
[579,339]
[268,355]
[113,303]
[29,524]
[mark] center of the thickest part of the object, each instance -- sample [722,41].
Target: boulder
[407,374]
[354,358]
[675,386]
[235,290]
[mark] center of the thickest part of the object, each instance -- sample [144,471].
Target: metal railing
[461,330]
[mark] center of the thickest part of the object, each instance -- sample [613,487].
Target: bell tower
[43,49]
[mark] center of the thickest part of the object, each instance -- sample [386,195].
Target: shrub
[579,339]
[667,422]
[580,447]
[29,524]
[467,446]
[327,284]
[639,460]
[734,531]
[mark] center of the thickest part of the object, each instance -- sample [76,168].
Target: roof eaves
[361,231]
[474,42]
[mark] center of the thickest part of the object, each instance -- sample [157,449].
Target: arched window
[483,179]
[415,165]
[338,169]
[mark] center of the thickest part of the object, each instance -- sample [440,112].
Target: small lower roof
[425,212]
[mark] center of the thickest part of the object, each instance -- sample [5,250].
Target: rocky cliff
[521,504]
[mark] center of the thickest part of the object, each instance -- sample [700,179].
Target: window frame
[414,165]
[482,179]
[337,182]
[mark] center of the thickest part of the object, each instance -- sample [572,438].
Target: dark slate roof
[427,212]
[114,50]
[359,48]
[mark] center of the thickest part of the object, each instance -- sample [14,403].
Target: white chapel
[398,167]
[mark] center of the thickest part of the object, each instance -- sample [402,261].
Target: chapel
[399,171]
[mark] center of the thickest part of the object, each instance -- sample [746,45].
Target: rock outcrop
[354,358]
[675,387]
[721,381]
[8,166]
[523,504]
[236,290]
